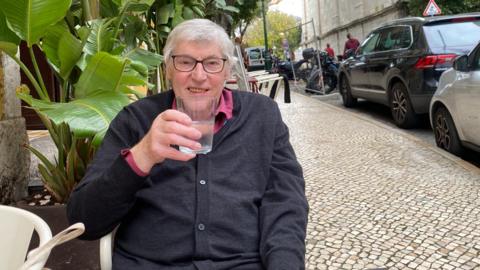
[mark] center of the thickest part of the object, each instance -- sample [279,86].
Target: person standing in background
[330,51]
[351,46]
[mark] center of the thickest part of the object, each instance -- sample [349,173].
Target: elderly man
[241,206]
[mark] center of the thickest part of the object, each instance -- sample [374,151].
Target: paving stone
[378,197]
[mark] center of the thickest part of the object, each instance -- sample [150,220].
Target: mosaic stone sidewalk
[379,199]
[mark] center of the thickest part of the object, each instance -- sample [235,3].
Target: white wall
[335,18]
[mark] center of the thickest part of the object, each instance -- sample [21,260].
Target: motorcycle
[328,73]
[288,68]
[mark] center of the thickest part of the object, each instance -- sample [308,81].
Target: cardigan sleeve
[107,192]
[284,207]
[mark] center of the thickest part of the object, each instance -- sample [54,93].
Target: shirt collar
[225,105]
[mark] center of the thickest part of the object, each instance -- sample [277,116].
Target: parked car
[255,58]
[399,63]
[455,106]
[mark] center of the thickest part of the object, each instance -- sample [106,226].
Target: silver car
[455,106]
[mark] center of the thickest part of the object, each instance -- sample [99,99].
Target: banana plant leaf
[103,71]
[135,31]
[30,19]
[138,2]
[8,40]
[177,16]
[198,11]
[63,50]
[50,44]
[69,52]
[108,8]
[164,13]
[188,13]
[87,116]
[136,7]
[222,5]
[101,37]
[150,59]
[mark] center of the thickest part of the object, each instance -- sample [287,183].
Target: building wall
[334,19]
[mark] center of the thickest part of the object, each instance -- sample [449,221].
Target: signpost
[432,9]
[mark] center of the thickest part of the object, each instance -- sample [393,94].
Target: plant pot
[72,255]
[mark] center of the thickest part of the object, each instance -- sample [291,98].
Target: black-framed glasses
[186,63]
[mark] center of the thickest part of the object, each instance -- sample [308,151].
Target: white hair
[200,30]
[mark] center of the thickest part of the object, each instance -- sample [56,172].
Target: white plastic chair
[16,229]
[106,247]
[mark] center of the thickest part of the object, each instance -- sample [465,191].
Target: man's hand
[171,127]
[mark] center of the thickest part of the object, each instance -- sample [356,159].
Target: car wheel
[401,107]
[446,135]
[346,93]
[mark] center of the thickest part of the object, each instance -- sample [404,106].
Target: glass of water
[201,110]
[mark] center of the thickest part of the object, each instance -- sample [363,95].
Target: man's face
[197,81]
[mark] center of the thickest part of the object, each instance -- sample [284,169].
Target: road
[377,112]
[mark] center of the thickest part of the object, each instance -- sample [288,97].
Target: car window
[453,37]
[405,37]
[476,60]
[370,43]
[393,38]
[254,54]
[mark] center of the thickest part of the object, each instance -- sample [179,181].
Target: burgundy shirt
[352,43]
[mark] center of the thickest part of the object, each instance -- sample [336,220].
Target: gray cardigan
[241,206]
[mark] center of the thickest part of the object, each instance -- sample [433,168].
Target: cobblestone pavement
[378,198]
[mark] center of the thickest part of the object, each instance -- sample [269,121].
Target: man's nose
[198,72]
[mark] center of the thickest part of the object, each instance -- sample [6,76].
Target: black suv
[399,63]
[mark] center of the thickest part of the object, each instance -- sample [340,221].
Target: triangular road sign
[432,9]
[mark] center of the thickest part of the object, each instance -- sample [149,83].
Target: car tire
[401,107]
[346,93]
[446,136]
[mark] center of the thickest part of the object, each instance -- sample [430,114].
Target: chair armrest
[106,247]
[41,253]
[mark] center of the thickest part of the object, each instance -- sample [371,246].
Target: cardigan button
[203,182]
[201,227]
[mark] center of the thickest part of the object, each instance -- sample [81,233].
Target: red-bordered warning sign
[432,9]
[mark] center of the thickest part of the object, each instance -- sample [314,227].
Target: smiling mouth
[197,90]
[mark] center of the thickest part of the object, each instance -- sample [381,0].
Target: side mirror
[461,63]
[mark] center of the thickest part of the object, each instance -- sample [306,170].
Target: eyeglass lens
[187,63]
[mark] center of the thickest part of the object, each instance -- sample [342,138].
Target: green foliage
[97,61]
[416,7]
[31,19]
[166,14]
[248,11]
[223,12]
[279,26]
[73,155]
